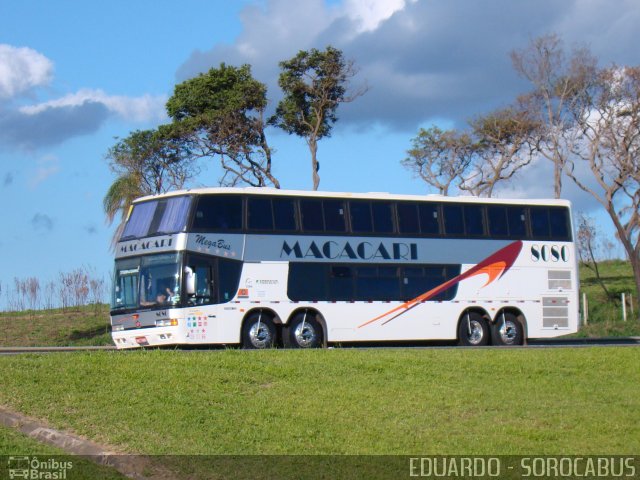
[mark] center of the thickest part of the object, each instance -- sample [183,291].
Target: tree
[439,157]
[607,116]
[590,128]
[491,150]
[503,147]
[314,84]
[557,82]
[221,114]
[588,243]
[146,162]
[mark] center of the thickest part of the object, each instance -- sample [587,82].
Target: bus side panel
[428,320]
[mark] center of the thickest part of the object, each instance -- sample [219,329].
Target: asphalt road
[545,343]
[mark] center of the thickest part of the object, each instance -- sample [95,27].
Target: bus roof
[351,195]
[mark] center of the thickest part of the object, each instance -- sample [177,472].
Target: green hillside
[605,312]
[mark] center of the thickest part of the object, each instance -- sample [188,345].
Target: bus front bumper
[147,337]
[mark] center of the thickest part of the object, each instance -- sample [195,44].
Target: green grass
[87,325]
[339,401]
[14,443]
[605,313]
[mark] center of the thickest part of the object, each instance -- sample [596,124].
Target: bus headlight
[117,328]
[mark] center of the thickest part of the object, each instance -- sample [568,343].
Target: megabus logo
[333,250]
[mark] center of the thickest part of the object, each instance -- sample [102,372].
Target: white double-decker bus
[265,268]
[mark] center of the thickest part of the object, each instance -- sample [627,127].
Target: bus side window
[361,221]
[218,212]
[382,217]
[259,215]
[228,279]
[311,212]
[284,214]
[474,220]
[429,219]
[559,219]
[408,218]
[203,284]
[517,218]
[497,216]
[340,283]
[539,222]
[453,219]
[334,217]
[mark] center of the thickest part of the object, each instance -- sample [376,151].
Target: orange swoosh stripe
[495,266]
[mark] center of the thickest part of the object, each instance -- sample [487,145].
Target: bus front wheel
[258,332]
[304,331]
[473,330]
[508,330]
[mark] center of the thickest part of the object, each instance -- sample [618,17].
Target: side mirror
[189,281]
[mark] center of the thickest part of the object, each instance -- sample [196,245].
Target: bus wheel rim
[305,335]
[508,332]
[260,335]
[476,332]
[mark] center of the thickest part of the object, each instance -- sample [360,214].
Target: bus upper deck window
[140,220]
[429,219]
[218,212]
[334,217]
[453,219]
[284,214]
[559,220]
[259,214]
[361,216]
[408,218]
[539,222]
[517,218]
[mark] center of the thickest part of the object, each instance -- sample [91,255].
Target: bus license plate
[142,341]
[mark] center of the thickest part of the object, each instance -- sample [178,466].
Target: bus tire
[304,331]
[473,330]
[258,331]
[507,330]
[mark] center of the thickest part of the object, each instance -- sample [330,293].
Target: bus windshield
[157,217]
[150,281]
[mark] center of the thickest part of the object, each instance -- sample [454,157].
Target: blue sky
[75,74]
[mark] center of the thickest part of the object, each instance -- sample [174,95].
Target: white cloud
[273,31]
[136,109]
[422,59]
[369,14]
[22,69]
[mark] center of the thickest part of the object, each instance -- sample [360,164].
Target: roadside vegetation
[74,326]
[605,304]
[65,311]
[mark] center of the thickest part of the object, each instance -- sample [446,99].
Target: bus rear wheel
[508,330]
[304,331]
[258,332]
[473,330]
